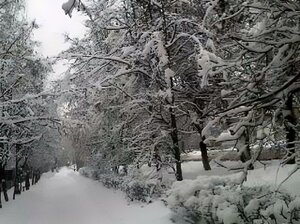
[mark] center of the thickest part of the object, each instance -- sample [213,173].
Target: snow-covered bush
[142,190]
[111,181]
[224,201]
[88,172]
[136,189]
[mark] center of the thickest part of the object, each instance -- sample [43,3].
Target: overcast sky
[53,24]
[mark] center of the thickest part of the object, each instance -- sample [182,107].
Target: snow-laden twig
[285,179]
[108,58]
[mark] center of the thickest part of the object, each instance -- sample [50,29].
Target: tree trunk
[178,163]
[176,149]
[16,182]
[4,189]
[245,155]
[33,177]
[204,155]
[1,177]
[290,121]
[0,199]
[27,180]
[174,136]
[247,152]
[243,147]
[3,186]
[203,149]
[37,176]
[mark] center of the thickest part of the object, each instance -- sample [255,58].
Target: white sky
[53,24]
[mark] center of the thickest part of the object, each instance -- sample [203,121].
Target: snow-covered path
[68,198]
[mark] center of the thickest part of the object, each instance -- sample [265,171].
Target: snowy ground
[231,154]
[272,174]
[68,198]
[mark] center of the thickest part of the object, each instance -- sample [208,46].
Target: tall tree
[260,52]
[23,109]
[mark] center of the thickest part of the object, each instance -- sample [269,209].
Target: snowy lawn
[273,174]
[69,198]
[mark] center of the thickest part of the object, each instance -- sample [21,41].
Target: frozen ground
[68,198]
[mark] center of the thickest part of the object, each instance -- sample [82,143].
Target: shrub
[88,172]
[223,201]
[135,190]
[142,190]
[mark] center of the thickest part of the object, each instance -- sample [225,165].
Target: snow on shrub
[135,189]
[88,172]
[141,190]
[224,201]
